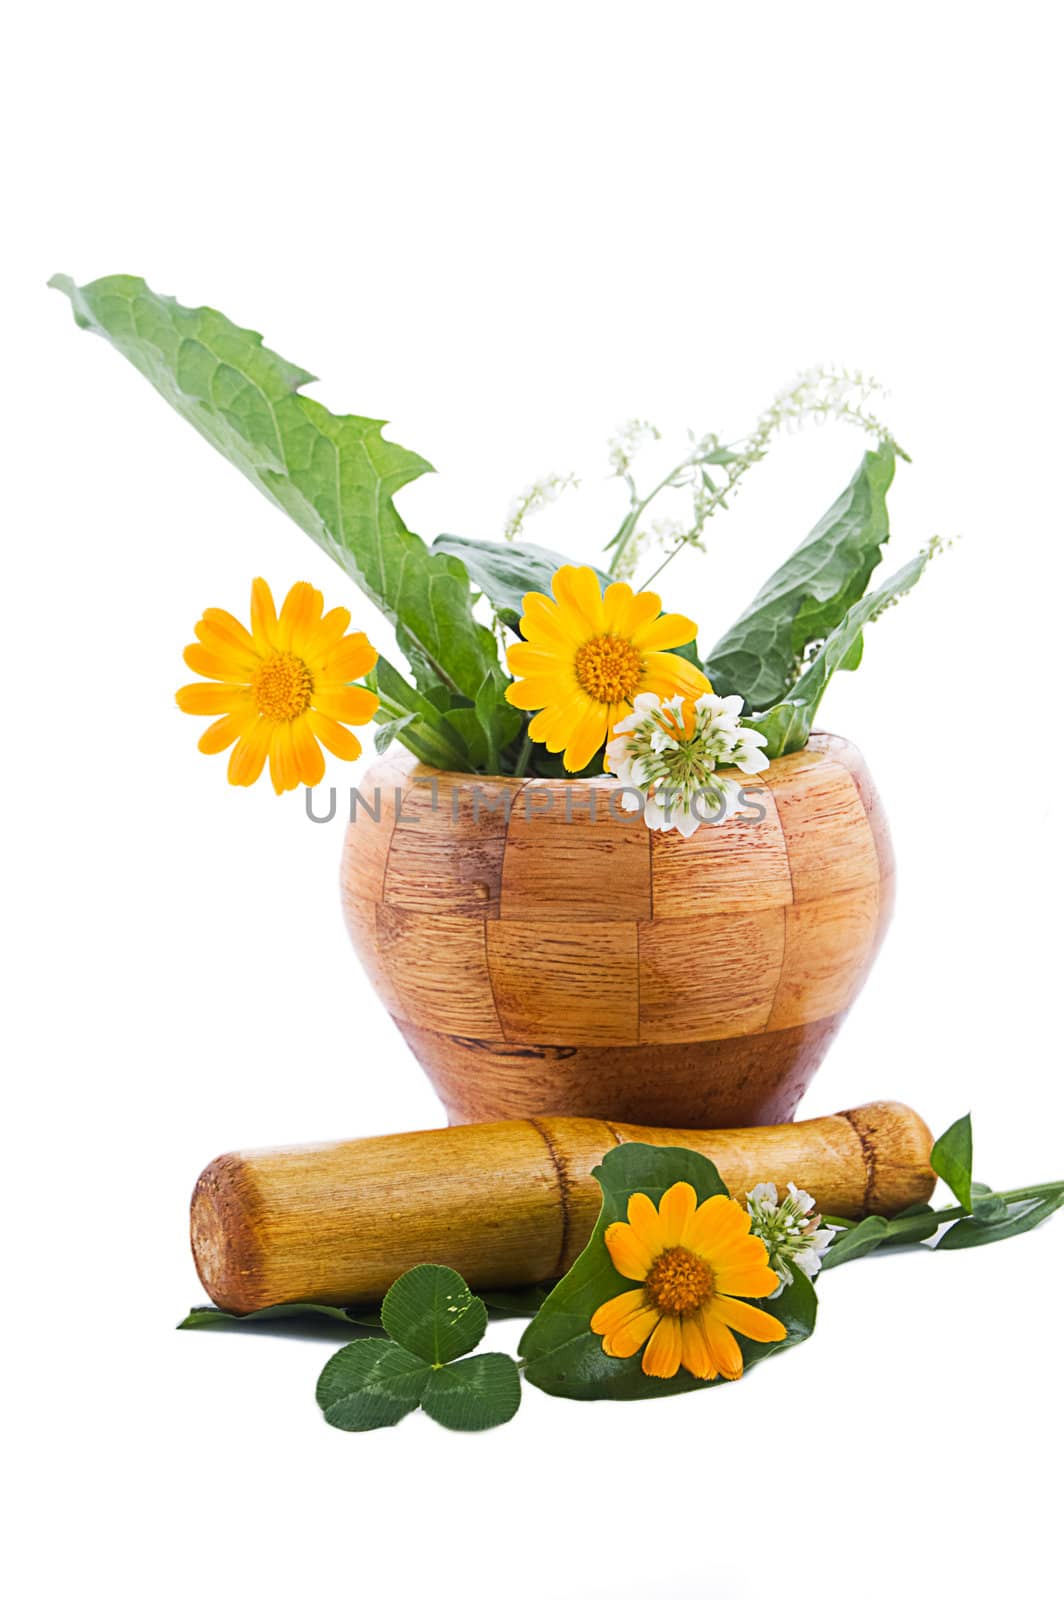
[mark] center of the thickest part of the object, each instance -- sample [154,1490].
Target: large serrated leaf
[336,476]
[809,594]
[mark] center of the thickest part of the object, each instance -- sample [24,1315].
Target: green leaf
[430,735]
[521,1302]
[213,1317]
[388,732]
[809,594]
[336,476]
[855,1242]
[788,724]
[507,572]
[565,1358]
[371,1384]
[480,1392]
[912,1226]
[432,1312]
[951,1158]
[986,1205]
[1020,1217]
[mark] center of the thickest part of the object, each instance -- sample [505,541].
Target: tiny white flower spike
[672,750]
[790,1231]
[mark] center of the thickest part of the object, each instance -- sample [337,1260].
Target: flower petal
[757,1282]
[222,664]
[300,614]
[310,763]
[338,740]
[222,632]
[665,632]
[533,661]
[661,1358]
[696,1355]
[750,1321]
[723,1349]
[628,1251]
[221,734]
[549,627]
[633,1335]
[248,758]
[529,694]
[352,658]
[556,722]
[617,608]
[349,704]
[577,589]
[211,699]
[668,675]
[284,774]
[587,737]
[643,1216]
[613,1314]
[718,1222]
[263,617]
[325,634]
[675,1210]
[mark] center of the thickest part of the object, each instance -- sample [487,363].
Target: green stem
[626,532]
[1032,1191]
[521,765]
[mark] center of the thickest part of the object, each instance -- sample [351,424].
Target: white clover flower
[670,751]
[790,1229]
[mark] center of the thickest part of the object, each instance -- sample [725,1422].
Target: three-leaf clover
[433,1321]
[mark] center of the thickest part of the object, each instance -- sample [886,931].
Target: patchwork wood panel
[439,968]
[709,977]
[541,958]
[577,858]
[741,865]
[446,852]
[566,982]
[828,943]
[830,844]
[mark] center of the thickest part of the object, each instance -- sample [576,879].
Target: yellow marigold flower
[692,1261]
[587,655]
[280,688]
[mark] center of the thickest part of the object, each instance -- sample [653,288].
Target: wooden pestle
[503,1202]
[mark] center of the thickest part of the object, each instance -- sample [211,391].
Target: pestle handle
[502,1202]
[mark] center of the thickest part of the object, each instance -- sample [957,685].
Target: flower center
[282,687]
[609,669]
[678,1281]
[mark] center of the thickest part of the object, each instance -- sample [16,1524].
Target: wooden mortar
[545,953]
[505,1203]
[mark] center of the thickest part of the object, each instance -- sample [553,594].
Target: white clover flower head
[670,752]
[790,1230]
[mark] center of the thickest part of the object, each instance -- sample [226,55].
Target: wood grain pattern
[566,982]
[532,940]
[504,1203]
[577,862]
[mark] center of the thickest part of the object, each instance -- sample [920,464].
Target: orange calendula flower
[280,688]
[585,657]
[695,1263]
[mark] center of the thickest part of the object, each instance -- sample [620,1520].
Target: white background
[507,229]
